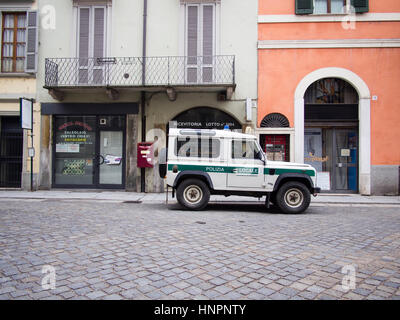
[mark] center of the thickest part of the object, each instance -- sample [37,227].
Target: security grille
[11,142]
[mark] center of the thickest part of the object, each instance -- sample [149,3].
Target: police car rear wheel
[193,194]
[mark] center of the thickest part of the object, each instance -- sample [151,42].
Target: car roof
[209,133]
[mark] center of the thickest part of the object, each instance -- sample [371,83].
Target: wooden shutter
[31,47]
[304,6]
[208,34]
[192,33]
[84,18]
[360,5]
[192,42]
[98,37]
[208,43]
[83,42]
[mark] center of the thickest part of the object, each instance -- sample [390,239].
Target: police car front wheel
[293,197]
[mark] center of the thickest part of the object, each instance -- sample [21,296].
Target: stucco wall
[378,67]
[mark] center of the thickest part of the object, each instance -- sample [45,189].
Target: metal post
[233,69]
[32,156]
[143,93]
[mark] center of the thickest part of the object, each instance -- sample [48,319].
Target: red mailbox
[145,155]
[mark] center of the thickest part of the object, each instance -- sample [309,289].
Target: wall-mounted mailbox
[145,155]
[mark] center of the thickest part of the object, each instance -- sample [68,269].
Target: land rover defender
[199,163]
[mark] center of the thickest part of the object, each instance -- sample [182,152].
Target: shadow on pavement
[233,207]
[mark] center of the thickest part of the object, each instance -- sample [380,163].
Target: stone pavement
[160,197]
[106,250]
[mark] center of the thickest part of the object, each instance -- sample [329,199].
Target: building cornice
[334,43]
[292,18]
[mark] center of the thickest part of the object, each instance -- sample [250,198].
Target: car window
[197,147]
[244,149]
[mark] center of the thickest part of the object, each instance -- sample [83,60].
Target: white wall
[237,35]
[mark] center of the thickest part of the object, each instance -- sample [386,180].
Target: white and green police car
[201,162]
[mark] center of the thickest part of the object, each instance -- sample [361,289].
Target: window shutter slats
[98,46]
[304,6]
[192,30]
[360,5]
[84,14]
[208,32]
[31,48]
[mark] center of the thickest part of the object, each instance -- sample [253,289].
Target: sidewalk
[120,196]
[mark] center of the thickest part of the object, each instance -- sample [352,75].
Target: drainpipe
[143,93]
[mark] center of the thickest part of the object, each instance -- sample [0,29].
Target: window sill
[17,75]
[329,14]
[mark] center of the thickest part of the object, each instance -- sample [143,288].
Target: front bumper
[315,191]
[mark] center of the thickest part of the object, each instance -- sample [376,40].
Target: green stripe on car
[238,170]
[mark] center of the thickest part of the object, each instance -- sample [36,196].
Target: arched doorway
[205,118]
[331,134]
[364,119]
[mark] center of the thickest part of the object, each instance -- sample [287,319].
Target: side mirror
[259,156]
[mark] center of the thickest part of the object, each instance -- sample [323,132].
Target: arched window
[206,118]
[275,120]
[331,90]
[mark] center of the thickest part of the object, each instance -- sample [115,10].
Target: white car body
[227,173]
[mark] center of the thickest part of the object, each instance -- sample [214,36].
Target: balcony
[172,74]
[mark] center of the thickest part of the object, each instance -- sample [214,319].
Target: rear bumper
[315,191]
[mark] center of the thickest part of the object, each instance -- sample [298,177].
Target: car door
[245,167]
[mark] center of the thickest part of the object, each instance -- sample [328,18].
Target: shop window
[75,138]
[276,146]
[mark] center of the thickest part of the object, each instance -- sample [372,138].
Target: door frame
[96,168]
[96,175]
[334,163]
[333,127]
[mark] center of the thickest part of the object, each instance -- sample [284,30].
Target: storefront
[89,148]
[331,134]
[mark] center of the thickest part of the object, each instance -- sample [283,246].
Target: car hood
[292,165]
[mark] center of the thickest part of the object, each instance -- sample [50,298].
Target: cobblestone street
[116,250]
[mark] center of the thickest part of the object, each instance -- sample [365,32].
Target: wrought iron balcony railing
[128,72]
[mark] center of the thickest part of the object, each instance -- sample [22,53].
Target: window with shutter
[31,42]
[329,6]
[91,43]
[360,5]
[200,42]
[304,6]
[14,40]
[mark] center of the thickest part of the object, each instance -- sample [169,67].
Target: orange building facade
[328,77]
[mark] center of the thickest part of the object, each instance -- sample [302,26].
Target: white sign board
[70,148]
[26,109]
[324,180]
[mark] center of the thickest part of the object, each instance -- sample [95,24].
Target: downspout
[143,93]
